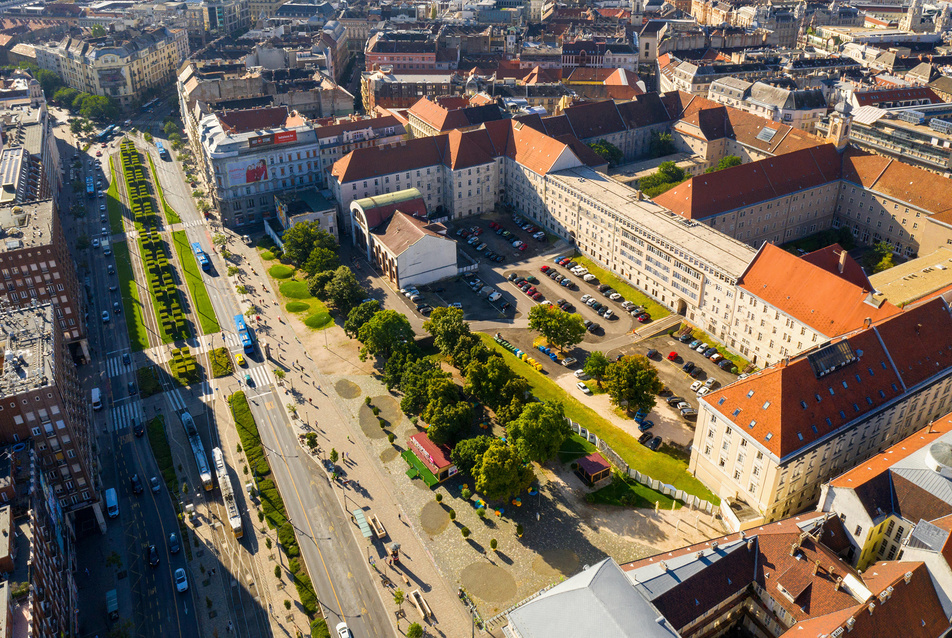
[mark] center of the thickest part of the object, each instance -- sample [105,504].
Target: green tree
[485,380]
[344,290]
[418,375]
[300,239]
[65,96]
[467,453]
[384,332]
[633,382]
[726,162]
[50,81]
[608,152]
[321,259]
[98,107]
[562,329]
[661,145]
[415,630]
[596,366]
[360,315]
[97,31]
[665,178]
[169,128]
[468,349]
[398,598]
[501,473]
[317,283]
[402,356]
[884,251]
[447,420]
[447,327]
[540,431]
[76,126]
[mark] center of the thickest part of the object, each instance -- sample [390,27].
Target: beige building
[120,65]
[767,443]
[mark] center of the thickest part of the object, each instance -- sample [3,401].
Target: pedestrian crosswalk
[261,375]
[193,223]
[175,398]
[115,366]
[124,415]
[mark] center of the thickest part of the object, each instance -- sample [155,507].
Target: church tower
[840,121]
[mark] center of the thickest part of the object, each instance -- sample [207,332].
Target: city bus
[201,256]
[244,334]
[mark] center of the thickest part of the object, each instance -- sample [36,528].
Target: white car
[588,277]
[608,314]
[584,388]
[585,298]
[696,386]
[95,243]
[495,296]
[580,374]
[703,391]
[702,347]
[343,631]
[569,361]
[614,296]
[181,581]
[456,305]
[710,382]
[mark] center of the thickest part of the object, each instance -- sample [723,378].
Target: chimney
[872,606]
[816,567]
[750,545]
[664,566]
[842,265]
[838,584]
[867,322]
[907,577]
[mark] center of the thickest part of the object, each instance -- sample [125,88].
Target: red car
[477,231]
[644,318]
[494,225]
[545,269]
[522,247]
[537,296]
[672,356]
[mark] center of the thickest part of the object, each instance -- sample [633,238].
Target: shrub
[464,531]
[375,410]
[493,544]
[319,629]
[519,529]
[452,514]
[277,571]
[466,493]
[439,497]
[221,362]
[391,437]
[481,512]
[287,604]
[366,400]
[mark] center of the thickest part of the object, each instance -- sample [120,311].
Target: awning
[361,521]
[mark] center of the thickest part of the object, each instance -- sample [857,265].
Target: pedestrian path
[175,398]
[125,414]
[115,366]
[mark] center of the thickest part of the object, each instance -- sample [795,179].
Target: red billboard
[282,137]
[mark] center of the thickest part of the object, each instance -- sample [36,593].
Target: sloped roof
[714,193]
[444,117]
[254,119]
[920,188]
[381,208]
[402,231]
[829,259]
[365,163]
[878,96]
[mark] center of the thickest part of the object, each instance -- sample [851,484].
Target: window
[858,531]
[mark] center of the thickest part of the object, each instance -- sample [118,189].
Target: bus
[244,334]
[148,105]
[106,133]
[90,187]
[163,152]
[198,450]
[227,493]
[202,257]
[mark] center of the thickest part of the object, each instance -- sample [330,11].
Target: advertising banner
[247,172]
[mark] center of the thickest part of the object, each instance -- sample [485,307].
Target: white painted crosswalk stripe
[115,366]
[261,375]
[193,223]
[175,398]
[125,414]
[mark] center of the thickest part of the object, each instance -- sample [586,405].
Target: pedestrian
[399,517]
[348,439]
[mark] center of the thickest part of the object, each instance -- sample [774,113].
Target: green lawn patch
[319,629]
[656,310]
[297,306]
[148,382]
[630,493]
[131,304]
[155,429]
[113,205]
[267,255]
[317,316]
[281,271]
[221,362]
[657,466]
[319,320]
[575,447]
[295,290]
[170,215]
[196,285]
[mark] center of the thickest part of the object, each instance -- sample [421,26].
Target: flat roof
[916,278]
[28,359]
[26,225]
[726,254]
[305,201]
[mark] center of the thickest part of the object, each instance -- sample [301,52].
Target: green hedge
[158,441]
[184,366]
[221,362]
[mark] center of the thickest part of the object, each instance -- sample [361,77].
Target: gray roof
[927,536]
[598,601]
[787,99]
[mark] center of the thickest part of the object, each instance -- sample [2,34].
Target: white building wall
[428,260]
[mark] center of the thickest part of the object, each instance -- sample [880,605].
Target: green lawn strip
[170,215]
[317,314]
[740,362]
[193,278]
[575,447]
[148,382]
[656,310]
[657,466]
[272,505]
[113,205]
[221,362]
[155,429]
[131,303]
[629,493]
[280,271]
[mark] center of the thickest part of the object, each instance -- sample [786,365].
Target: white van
[112,503]
[97,399]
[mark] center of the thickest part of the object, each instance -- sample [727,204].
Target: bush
[439,497]
[375,410]
[319,629]
[519,529]
[221,362]
[366,400]
[277,571]
[148,383]
[391,437]
[481,512]
[288,541]
[305,590]
[493,544]
[466,493]
[464,531]
[452,514]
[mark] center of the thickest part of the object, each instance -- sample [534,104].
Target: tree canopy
[608,152]
[384,332]
[633,382]
[344,291]
[50,81]
[540,431]
[562,329]
[661,144]
[321,259]
[300,239]
[726,162]
[596,365]
[360,315]
[666,177]
[485,380]
[468,452]
[447,327]
[501,473]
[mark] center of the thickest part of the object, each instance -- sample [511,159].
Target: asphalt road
[157,610]
[323,527]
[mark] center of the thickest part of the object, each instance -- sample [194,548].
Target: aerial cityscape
[509,318]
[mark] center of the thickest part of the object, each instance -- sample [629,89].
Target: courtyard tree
[300,239]
[344,290]
[608,152]
[317,283]
[562,329]
[501,472]
[539,431]
[596,366]
[485,380]
[384,332]
[727,161]
[402,356]
[633,382]
[447,327]
[360,315]
[447,420]
[468,452]
[418,376]
[321,259]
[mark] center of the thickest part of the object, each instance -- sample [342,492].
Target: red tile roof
[259,119]
[788,405]
[447,114]
[829,260]
[436,457]
[873,98]
[740,186]
[920,188]
[826,302]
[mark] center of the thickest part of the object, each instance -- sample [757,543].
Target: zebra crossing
[115,366]
[175,399]
[193,223]
[261,375]
[123,415]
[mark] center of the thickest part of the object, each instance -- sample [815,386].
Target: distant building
[428,118]
[800,108]
[121,65]
[306,206]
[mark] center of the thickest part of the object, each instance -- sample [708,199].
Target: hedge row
[141,203]
[161,281]
[184,366]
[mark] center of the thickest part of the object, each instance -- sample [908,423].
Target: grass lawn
[148,383]
[575,447]
[281,271]
[196,286]
[113,205]
[170,215]
[630,493]
[658,466]
[656,310]
[155,429]
[131,304]
[267,255]
[221,362]
[315,315]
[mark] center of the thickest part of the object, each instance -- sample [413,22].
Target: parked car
[580,374]
[645,425]
[643,318]
[687,367]
[512,276]
[584,388]
[725,364]
[673,356]
[654,443]
[614,296]
[589,278]
[688,413]
[594,327]
[685,337]
[717,356]
[568,362]
[696,386]
[645,438]
[710,351]
[672,401]
[703,391]
[652,353]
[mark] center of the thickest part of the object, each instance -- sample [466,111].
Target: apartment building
[339,137]
[29,160]
[767,443]
[884,501]
[407,51]
[37,267]
[432,117]
[800,108]
[44,402]
[122,65]
[389,90]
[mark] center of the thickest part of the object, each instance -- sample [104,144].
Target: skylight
[766,134]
